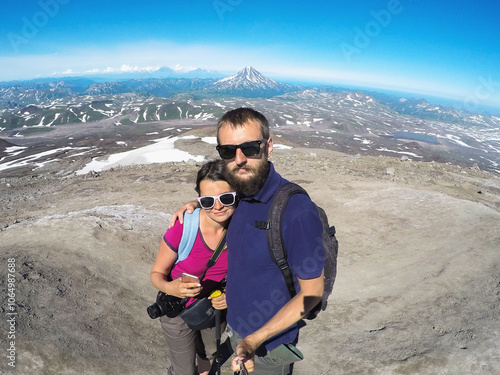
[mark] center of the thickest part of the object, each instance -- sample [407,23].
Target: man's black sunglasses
[251,148]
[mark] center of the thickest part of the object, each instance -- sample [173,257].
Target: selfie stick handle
[217,339]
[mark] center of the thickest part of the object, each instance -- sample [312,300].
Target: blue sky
[442,48]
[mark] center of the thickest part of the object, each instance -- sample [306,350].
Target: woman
[217,200]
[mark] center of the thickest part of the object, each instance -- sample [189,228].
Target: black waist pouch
[200,314]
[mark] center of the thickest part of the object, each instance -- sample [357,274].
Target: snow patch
[162,151]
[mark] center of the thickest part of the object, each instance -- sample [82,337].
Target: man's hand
[244,353]
[179,214]
[310,293]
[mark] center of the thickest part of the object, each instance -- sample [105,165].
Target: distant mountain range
[248,83]
[35,106]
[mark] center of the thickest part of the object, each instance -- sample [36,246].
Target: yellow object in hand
[215,293]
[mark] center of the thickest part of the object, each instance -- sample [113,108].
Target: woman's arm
[164,263]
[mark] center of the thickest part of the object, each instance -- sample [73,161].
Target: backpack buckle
[282,264]
[262,224]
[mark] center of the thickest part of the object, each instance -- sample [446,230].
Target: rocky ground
[417,292]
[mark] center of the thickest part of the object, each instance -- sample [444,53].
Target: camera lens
[154,311]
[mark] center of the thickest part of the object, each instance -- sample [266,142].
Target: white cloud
[128,68]
[184,69]
[127,57]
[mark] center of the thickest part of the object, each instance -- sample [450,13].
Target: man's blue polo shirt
[255,286]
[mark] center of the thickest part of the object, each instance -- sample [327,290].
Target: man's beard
[252,185]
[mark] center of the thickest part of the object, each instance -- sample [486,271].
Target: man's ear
[269,146]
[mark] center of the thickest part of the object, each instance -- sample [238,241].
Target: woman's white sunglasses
[226,199]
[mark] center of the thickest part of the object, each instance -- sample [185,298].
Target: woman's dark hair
[214,170]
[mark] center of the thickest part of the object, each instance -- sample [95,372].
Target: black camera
[166,304]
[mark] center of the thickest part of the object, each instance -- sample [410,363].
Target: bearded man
[263,321]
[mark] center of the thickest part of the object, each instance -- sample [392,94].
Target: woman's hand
[179,214]
[219,303]
[179,289]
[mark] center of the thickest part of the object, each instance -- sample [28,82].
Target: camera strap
[216,254]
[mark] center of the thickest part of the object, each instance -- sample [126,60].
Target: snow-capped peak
[248,78]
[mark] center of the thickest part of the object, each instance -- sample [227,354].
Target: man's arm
[179,214]
[310,294]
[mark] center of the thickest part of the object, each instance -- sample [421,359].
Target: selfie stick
[217,293]
[217,339]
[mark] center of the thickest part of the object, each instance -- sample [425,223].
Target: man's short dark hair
[241,116]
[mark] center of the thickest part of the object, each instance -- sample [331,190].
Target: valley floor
[417,290]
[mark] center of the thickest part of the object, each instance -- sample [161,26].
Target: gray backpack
[277,248]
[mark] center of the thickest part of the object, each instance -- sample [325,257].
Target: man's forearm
[309,296]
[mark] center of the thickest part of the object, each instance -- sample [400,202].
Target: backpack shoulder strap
[189,233]
[274,233]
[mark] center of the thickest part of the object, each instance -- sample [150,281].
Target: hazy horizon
[444,49]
